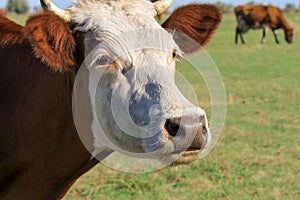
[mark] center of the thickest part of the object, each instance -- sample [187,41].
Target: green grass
[20,19]
[257,156]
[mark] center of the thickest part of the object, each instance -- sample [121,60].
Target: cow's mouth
[192,153]
[187,157]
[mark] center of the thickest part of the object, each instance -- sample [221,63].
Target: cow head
[289,35]
[137,103]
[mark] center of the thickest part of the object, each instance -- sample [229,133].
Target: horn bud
[161,6]
[47,5]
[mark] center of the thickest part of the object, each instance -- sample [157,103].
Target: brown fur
[10,32]
[277,19]
[41,153]
[270,16]
[197,21]
[51,39]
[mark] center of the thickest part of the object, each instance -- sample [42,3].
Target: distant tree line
[17,6]
[291,8]
[228,8]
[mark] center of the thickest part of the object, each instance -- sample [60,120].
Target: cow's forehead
[123,25]
[113,16]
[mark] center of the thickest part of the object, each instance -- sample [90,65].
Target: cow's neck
[45,154]
[285,24]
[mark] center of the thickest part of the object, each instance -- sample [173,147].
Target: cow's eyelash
[177,54]
[103,60]
[100,58]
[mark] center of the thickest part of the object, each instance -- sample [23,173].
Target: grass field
[258,153]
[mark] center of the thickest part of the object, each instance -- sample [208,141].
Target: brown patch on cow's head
[10,32]
[194,21]
[51,39]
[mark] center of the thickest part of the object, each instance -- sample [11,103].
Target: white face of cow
[137,103]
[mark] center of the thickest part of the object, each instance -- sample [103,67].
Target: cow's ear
[193,22]
[51,39]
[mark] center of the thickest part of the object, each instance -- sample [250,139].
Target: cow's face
[289,35]
[137,103]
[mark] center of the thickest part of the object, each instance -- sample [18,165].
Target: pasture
[258,153]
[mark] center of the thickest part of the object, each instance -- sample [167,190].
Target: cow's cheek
[108,79]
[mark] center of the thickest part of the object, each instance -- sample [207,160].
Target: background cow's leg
[275,35]
[242,38]
[237,35]
[239,32]
[263,39]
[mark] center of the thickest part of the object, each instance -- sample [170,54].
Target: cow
[41,151]
[260,17]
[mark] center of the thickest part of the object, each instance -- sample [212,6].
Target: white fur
[127,30]
[107,18]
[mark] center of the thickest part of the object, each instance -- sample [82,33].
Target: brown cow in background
[259,16]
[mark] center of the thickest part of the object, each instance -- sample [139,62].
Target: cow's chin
[177,157]
[186,157]
[181,158]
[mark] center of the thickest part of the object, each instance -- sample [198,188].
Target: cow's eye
[103,60]
[176,55]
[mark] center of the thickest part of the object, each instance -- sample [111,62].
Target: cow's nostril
[204,130]
[172,126]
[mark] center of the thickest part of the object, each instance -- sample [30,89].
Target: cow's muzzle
[189,134]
